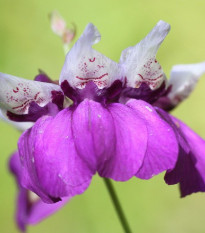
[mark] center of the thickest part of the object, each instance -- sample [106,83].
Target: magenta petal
[128,145]
[21,211]
[162,146]
[30,212]
[40,210]
[94,133]
[189,171]
[52,167]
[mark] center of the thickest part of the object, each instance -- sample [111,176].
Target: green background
[27,43]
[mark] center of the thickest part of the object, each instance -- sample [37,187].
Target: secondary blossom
[103,117]
[30,209]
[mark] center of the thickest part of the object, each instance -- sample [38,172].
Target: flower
[101,118]
[58,26]
[30,208]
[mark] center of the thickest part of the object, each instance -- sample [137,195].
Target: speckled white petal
[183,80]
[22,126]
[16,94]
[84,64]
[139,64]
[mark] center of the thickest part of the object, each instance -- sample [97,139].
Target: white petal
[22,126]
[16,93]
[84,64]
[139,64]
[183,79]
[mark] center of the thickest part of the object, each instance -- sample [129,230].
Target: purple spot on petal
[34,113]
[58,98]
[55,199]
[92,92]
[143,93]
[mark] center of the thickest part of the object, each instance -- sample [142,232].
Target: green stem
[117,206]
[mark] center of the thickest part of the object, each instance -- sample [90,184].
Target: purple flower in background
[104,117]
[30,208]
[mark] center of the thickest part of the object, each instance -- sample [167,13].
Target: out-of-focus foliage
[27,44]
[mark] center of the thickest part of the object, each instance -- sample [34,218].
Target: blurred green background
[27,43]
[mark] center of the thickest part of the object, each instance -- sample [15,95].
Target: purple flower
[30,208]
[101,118]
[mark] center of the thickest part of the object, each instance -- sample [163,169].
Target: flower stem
[117,205]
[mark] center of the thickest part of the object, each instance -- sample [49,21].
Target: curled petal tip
[196,69]
[91,33]
[164,25]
